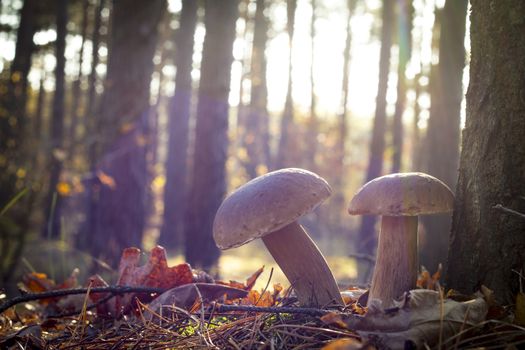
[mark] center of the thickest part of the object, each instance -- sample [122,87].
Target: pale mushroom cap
[402,194]
[266,204]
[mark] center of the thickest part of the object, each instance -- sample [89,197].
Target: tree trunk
[443,125]
[404,38]
[93,133]
[91,108]
[367,238]
[12,115]
[54,200]
[286,147]
[339,183]
[416,133]
[313,127]
[120,212]
[211,133]
[487,245]
[256,138]
[74,113]
[171,234]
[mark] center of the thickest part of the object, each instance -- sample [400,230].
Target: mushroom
[267,207]
[399,198]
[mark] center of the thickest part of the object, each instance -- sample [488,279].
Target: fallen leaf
[248,285]
[250,282]
[71,281]
[36,282]
[257,299]
[102,308]
[352,295]
[344,344]
[417,319]
[334,318]
[155,273]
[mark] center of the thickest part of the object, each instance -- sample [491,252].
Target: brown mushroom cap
[402,194]
[266,204]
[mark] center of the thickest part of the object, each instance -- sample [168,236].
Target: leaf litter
[192,312]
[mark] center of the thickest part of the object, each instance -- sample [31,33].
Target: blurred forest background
[124,123]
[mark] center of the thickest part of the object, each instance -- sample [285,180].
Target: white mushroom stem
[397,259]
[304,266]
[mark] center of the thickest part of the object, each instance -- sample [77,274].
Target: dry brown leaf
[334,318]
[344,344]
[155,273]
[418,319]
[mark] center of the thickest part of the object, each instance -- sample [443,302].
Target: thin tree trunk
[416,133]
[76,95]
[487,244]
[286,142]
[241,110]
[211,133]
[38,121]
[443,125]
[312,130]
[171,234]
[120,211]
[91,120]
[367,238]
[256,136]
[404,38]
[339,184]
[13,116]
[54,201]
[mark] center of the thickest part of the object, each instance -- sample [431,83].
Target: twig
[274,310]
[509,211]
[116,290]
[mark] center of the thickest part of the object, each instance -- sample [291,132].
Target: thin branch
[509,211]
[115,290]
[273,310]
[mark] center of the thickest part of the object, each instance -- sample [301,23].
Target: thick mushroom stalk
[396,267]
[304,266]
[267,207]
[399,198]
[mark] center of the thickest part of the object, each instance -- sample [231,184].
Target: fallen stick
[115,290]
[274,310]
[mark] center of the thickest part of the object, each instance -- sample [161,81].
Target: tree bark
[404,37]
[92,126]
[313,123]
[54,199]
[256,138]
[443,125]
[339,180]
[487,244]
[12,115]
[119,210]
[286,146]
[367,238]
[74,113]
[171,234]
[211,138]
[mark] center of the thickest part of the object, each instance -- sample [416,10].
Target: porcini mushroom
[399,198]
[267,207]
